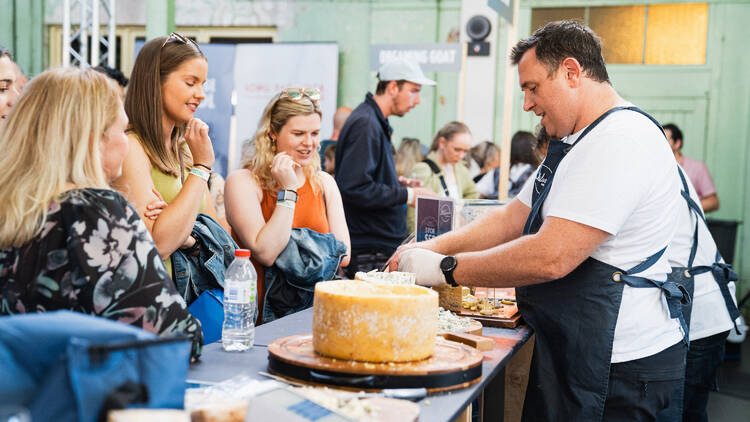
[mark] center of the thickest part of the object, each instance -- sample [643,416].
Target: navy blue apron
[574,317]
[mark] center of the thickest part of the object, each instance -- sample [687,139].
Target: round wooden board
[452,365]
[475,327]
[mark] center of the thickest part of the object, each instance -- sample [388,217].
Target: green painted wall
[159,18]
[355,25]
[22,32]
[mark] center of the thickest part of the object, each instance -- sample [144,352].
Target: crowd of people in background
[125,219]
[354,185]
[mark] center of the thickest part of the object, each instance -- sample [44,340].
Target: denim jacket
[308,258]
[194,274]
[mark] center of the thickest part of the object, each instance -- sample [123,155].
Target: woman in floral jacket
[67,241]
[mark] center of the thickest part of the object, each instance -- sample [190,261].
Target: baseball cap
[402,69]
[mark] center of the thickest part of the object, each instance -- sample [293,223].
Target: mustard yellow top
[169,186]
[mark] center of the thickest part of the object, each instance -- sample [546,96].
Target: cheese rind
[363,321]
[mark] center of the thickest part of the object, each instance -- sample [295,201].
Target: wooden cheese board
[493,321]
[506,316]
[452,366]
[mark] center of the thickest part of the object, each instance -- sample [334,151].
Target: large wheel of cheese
[373,322]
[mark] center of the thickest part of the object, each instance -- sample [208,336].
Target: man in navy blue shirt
[374,198]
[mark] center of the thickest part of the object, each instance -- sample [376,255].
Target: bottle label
[240,293]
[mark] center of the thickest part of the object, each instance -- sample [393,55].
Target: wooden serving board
[507,317]
[452,365]
[493,321]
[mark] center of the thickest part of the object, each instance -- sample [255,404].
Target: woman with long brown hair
[281,187]
[170,152]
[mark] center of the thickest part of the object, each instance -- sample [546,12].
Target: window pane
[543,15]
[676,33]
[621,31]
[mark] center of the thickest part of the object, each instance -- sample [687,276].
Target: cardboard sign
[434,216]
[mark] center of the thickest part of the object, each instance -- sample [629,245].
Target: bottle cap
[242,253]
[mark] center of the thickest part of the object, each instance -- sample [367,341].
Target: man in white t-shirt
[583,242]
[713,314]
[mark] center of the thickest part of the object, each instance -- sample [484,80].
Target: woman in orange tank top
[281,186]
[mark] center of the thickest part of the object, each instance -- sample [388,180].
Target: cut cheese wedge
[370,322]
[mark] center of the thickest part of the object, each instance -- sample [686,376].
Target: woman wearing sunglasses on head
[286,210]
[67,241]
[170,152]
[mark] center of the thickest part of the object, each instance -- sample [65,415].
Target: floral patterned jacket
[95,256]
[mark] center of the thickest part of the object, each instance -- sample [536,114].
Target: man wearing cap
[373,197]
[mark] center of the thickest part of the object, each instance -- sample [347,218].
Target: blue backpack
[68,366]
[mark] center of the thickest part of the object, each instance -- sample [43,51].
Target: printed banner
[444,57]
[263,70]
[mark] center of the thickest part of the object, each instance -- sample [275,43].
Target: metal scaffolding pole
[66,34]
[95,32]
[112,38]
[83,37]
[89,24]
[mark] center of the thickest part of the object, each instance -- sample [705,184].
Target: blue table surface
[216,365]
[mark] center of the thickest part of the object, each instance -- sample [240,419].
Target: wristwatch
[287,195]
[447,265]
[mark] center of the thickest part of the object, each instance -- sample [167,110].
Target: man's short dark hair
[380,89]
[676,133]
[115,74]
[558,40]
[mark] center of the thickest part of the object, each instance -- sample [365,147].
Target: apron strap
[694,207]
[723,274]
[675,293]
[598,120]
[534,221]
[646,264]
[555,151]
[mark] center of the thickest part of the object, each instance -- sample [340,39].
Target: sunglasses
[179,38]
[296,94]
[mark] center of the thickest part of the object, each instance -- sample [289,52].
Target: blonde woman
[408,154]
[281,187]
[67,241]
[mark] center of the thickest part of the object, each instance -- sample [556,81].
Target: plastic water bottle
[238,331]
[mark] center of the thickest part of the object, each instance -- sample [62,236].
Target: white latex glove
[425,264]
